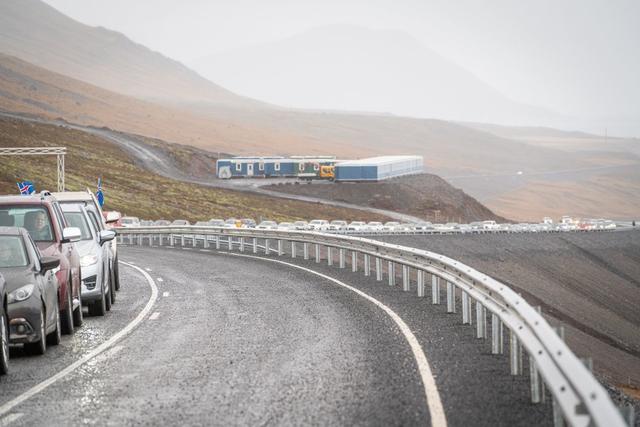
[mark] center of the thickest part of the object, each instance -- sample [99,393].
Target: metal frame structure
[578,398]
[59,152]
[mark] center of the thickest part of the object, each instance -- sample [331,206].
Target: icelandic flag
[99,193]
[26,188]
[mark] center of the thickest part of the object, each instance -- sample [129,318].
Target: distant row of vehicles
[57,254]
[373,227]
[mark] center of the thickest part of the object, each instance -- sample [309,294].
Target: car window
[34,252]
[12,252]
[94,221]
[35,219]
[77,219]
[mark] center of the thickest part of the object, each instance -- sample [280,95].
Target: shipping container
[378,168]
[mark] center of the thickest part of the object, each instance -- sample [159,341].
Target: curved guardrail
[578,398]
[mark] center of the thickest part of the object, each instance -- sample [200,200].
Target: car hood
[87,247]
[16,277]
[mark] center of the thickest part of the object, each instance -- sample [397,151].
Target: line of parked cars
[57,254]
[390,227]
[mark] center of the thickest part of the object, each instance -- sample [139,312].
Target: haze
[574,63]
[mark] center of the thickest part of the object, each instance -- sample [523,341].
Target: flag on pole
[26,188]
[99,193]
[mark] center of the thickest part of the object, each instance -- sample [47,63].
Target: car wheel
[116,274]
[67,314]
[4,352]
[39,347]
[55,337]
[78,317]
[98,308]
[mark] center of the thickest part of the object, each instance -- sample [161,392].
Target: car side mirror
[112,217]
[71,234]
[49,263]
[107,236]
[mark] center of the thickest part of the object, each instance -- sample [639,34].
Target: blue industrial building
[378,168]
[274,166]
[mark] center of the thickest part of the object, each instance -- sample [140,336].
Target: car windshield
[77,219]
[12,252]
[35,219]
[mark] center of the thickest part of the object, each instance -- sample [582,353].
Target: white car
[319,225]
[357,226]
[301,225]
[390,226]
[129,221]
[375,226]
[489,225]
[286,226]
[337,225]
[216,222]
[267,225]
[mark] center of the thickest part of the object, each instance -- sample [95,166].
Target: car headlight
[20,294]
[88,260]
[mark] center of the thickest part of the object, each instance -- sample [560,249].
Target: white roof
[376,161]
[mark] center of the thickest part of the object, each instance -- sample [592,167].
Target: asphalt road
[243,341]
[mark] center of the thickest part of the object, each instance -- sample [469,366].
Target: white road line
[11,418]
[93,353]
[165,294]
[148,269]
[154,316]
[434,402]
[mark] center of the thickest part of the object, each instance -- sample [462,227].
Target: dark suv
[42,217]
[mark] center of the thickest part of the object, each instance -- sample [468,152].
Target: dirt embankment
[589,282]
[426,196]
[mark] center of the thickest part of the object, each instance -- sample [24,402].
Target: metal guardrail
[578,398]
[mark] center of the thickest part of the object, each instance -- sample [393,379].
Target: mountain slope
[343,67]
[35,32]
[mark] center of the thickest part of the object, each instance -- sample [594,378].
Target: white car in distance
[318,225]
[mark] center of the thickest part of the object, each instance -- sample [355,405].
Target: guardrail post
[435,289]
[354,261]
[536,389]
[305,250]
[139,239]
[160,238]
[391,273]
[329,256]
[280,251]
[293,249]
[182,240]
[230,243]
[420,280]
[241,244]
[217,242]
[451,298]
[406,280]
[466,309]
[170,239]
[119,239]
[317,253]
[378,269]
[193,240]
[497,336]
[266,246]
[130,238]
[255,245]
[367,265]
[515,356]
[150,236]
[205,244]
[341,256]
[481,320]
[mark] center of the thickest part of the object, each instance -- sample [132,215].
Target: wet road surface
[243,341]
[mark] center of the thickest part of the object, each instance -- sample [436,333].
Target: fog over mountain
[576,57]
[357,69]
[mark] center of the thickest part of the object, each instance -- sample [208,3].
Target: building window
[261,166]
[238,167]
[316,167]
[276,166]
[301,167]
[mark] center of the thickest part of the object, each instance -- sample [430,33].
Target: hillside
[426,196]
[37,33]
[133,190]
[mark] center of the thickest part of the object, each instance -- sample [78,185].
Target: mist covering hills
[55,67]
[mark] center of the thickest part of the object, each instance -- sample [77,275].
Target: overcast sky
[577,57]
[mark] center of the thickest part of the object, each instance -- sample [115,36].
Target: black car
[4,329]
[32,291]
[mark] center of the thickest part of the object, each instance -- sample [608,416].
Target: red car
[42,217]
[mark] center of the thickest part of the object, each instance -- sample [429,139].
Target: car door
[105,250]
[47,282]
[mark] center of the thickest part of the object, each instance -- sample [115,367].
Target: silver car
[96,262]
